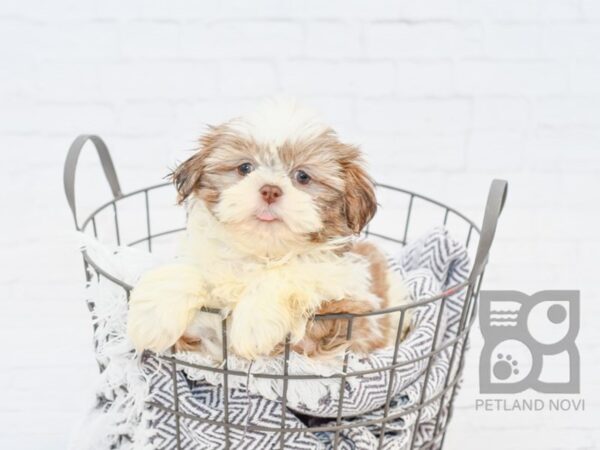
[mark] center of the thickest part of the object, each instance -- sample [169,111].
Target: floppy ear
[188,175]
[361,203]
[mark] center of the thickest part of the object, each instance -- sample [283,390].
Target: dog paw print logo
[529,342]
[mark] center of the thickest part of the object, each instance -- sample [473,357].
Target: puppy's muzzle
[270,193]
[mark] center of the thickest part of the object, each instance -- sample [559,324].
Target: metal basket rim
[441,295]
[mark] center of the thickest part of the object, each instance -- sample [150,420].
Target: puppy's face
[278,190]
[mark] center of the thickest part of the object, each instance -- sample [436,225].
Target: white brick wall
[443,95]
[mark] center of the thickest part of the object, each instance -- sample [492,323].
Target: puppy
[274,202]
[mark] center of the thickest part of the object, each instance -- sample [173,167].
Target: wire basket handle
[493,208]
[71,167]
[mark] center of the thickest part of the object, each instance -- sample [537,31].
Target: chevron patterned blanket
[253,405]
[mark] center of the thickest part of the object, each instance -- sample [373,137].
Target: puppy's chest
[228,282]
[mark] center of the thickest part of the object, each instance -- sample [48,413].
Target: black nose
[270,193]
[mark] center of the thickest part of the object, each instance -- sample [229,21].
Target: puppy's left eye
[245,169]
[302,177]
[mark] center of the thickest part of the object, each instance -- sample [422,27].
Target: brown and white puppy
[274,200]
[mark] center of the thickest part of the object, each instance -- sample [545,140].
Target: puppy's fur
[327,336]
[274,201]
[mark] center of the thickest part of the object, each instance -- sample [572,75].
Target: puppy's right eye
[245,169]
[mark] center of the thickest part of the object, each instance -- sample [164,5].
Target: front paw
[162,305]
[256,332]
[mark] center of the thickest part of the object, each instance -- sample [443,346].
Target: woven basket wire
[470,287]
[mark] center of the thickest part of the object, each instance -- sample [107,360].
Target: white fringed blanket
[126,415]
